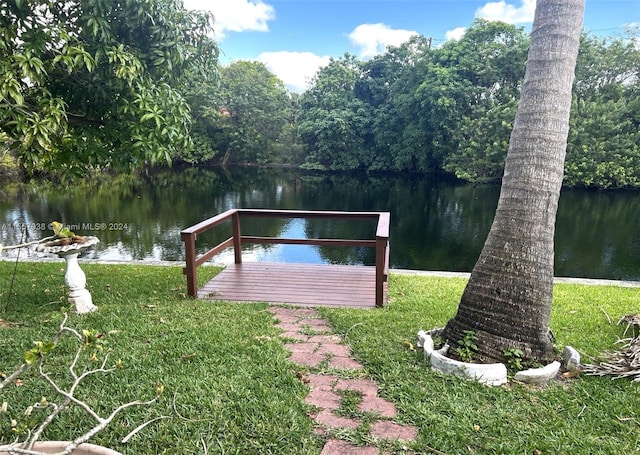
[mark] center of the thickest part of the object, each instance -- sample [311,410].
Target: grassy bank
[229,387]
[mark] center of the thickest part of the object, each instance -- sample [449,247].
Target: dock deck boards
[295,284]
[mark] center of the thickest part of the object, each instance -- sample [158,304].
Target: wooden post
[237,239]
[190,269]
[382,244]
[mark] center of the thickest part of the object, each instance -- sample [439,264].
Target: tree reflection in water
[435,224]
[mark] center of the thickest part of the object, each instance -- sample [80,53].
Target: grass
[586,415]
[229,387]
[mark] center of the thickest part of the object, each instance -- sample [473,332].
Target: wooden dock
[296,284]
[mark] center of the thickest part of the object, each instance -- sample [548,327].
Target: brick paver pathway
[316,347]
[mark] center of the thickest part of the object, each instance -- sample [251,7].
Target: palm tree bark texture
[507,301]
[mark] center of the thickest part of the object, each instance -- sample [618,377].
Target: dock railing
[190,235]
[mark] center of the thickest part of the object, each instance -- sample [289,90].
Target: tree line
[92,85]
[451,109]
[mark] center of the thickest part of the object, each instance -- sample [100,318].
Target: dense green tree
[474,115]
[334,124]
[422,106]
[373,88]
[483,141]
[256,111]
[400,136]
[604,139]
[247,117]
[95,83]
[212,128]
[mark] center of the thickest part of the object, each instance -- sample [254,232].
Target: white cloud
[502,11]
[295,69]
[455,34]
[499,11]
[235,15]
[373,39]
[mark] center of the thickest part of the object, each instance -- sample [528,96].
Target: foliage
[247,118]
[417,106]
[514,359]
[333,123]
[90,84]
[401,139]
[9,168]
[260,109]
[22,428]
[452,108]
[604,144]
[467,346]
[484,70]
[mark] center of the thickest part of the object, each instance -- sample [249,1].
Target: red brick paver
[384,429]
[316,345]
[294,335]
[322,382]
[338,447]
[335,349]
[288,326]
[324,339]
[307,359]
[377,405]
[304,347]
[366,387]
[344,363]
[330,419]
[324,399]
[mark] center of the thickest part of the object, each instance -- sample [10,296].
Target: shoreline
[436,273]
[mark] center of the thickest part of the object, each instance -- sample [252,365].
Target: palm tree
[507,301]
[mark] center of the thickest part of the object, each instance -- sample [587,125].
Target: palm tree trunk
[507,302]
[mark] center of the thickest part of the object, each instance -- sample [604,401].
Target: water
[435,225]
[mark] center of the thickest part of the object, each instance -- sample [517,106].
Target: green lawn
[229,388]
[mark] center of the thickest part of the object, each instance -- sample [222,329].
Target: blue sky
[294,38]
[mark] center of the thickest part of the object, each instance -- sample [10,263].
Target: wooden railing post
[190,269]
[382,244]
[237,237]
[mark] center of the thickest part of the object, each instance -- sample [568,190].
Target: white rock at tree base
[570,359]
[494,374]
[538,375]
[491,374]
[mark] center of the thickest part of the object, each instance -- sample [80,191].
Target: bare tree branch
[69,398]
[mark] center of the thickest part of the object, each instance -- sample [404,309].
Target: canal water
[435,224]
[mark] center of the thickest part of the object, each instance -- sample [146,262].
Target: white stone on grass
[570,359]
